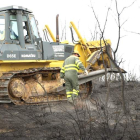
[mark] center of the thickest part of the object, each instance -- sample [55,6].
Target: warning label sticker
[58,50]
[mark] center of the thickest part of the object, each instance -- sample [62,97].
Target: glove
[86,72]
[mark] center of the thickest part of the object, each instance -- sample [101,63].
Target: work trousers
[71,83]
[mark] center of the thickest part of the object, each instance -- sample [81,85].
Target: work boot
[70,99]
[74,96]
[77,101]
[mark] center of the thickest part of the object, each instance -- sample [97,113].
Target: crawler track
[4,81]
[8,76]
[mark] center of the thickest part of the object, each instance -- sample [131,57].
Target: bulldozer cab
[20,39]
[19,34]
[19,25]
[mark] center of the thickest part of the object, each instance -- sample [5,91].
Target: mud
[90,119]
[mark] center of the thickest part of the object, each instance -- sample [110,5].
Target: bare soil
[90,119]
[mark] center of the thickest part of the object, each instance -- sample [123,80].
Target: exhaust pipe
[57,29]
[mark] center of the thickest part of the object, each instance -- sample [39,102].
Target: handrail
[80,37]
[50,33]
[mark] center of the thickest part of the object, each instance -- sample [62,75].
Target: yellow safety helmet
[76,52]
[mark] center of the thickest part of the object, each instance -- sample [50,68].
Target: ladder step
[5,101]
[1,86]
[5,78]
[3,94]
[3,91]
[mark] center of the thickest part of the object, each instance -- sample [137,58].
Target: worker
[69,72]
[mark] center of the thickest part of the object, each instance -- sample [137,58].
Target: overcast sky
[80,12]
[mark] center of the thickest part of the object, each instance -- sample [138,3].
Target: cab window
[13,27]
[2,27]
[34,26]
[25,29]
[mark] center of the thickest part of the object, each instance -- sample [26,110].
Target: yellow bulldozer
[30,67]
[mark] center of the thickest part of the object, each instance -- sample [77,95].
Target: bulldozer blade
[82,78]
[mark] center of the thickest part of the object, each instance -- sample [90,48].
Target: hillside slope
[86,120]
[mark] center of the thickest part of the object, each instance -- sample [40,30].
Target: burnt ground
[86,120]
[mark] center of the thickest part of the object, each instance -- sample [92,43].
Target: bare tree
[102,31]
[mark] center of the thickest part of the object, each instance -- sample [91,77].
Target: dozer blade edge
[82,78]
